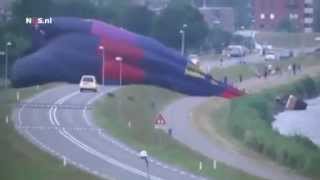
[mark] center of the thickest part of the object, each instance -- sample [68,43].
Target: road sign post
[18,96]
[64,161]
[200,166]
[159,123]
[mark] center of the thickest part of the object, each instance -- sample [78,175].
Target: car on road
[237,51]
[88,83]
[270,55]
[285,54]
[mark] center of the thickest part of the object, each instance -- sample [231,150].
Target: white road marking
[84,114]
[103,157]
[92,151]
[54,121]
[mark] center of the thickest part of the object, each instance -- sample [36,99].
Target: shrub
[250,121]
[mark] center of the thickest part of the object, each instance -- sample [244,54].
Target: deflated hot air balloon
[69,48]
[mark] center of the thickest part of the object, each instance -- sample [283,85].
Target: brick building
[268,14]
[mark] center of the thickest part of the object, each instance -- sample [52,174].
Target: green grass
[254,129]
[248,70]
[20,160]
[288,40]
[233,72]
[305,60]
[140,104]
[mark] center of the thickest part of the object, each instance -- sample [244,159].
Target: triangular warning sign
[160,121]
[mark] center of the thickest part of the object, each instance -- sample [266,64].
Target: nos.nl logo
[38,20]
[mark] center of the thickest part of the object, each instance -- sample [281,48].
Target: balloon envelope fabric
[72,47]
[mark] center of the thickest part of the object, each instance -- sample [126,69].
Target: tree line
[164,27]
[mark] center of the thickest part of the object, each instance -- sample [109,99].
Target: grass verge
[254,129]
[139,105]
[288,40]
[20,159]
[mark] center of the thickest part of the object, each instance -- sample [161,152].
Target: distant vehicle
[270,56]
[266,49]
[236,51]
[285,54]
[194,58]
[88,83]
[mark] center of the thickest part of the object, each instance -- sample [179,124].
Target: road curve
[57,120]
[179,118]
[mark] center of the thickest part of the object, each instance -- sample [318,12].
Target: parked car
[88,83]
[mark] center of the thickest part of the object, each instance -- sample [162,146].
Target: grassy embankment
[254,129]
[140,104]
[247,121]
[251,70]
[20,160]
[288,40]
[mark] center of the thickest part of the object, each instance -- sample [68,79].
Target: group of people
[270,69]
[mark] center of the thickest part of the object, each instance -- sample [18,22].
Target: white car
[88,83]
[270,56]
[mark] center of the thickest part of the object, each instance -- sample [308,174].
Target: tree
[287,25]
[169,23]
[74,8]
[138,19]
[243,16]
[218,39]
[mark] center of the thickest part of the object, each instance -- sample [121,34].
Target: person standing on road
[290,68]
[265,72]
[294,68]
[221,61]
[225,80]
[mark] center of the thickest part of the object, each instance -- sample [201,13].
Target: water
[306,123]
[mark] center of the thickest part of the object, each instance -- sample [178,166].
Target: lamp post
[2,53]
[8,44]
[119,59]
[144,156]
[183,37]
[103,63]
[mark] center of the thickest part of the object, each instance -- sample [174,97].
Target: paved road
[179,118]
[69,133]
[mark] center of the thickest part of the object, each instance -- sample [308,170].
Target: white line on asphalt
[84,114]
[92,151]
[31,100]
[101,156]
[54,108]
[45,147]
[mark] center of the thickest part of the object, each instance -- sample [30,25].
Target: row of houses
[267,14]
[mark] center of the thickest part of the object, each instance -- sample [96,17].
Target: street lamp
[8,44]
[144,156]
[183,37]
[103,63]
[119,59]
[2,53]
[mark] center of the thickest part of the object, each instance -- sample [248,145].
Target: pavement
[59,121]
